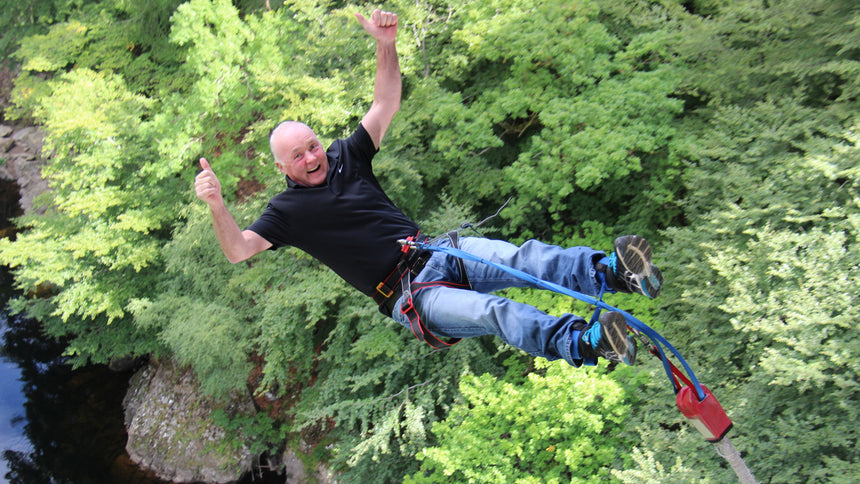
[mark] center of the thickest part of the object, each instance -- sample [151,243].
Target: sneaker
[629,268]
[608,339]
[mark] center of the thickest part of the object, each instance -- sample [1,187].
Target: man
[335,210]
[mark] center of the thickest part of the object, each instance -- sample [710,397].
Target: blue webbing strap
[654,336]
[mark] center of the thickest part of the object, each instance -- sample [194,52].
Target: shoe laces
[613,262]
[592,335]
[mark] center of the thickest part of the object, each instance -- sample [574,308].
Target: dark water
[56,425]
[59,425]
[12,401]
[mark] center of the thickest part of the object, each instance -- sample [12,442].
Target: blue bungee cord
[633,322]
[702,410]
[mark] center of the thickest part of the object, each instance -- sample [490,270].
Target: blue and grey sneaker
[608,339]
[629,268]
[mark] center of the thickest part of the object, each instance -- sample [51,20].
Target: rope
[474,227]
[728,452]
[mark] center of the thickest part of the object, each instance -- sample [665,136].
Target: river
[12,438]
[59,425]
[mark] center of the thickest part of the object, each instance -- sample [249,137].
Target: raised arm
[386,90]
[236,244]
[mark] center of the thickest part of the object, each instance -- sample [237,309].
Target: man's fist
[206,184]
[382,25]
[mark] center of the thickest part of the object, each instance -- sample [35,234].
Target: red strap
[416,325]
[675,371]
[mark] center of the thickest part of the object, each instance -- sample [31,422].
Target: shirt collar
[291,183]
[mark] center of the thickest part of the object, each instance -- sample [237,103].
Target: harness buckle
[407,306]
[381,286]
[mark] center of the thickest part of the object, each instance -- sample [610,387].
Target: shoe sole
[615,331]
[634,254]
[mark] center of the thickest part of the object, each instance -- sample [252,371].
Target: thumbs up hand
[207,186]
[382,25]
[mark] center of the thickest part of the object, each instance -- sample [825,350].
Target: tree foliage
[765,267]
[558,425]
[725,132]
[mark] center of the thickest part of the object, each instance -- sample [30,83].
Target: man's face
[299,154]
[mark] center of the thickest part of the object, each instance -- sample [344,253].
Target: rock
[295,472]
[18,155]
[170,430]
[125,363]
[294,469]
[20,152]
[34,142]
[22,133]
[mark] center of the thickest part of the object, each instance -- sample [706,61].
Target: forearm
[228,233]
[388,85]
[236,244]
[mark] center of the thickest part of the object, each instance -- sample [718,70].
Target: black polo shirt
[347,223]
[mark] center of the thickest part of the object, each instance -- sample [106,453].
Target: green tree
[762,277]
[22,19]
[559,425]
[731,125]
[561,104]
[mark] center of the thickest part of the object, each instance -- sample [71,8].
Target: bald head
[298,153]
[278,133]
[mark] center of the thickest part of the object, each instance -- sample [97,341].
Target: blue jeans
[460,313]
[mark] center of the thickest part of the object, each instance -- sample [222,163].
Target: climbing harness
[415,324]
[411,263]
[413,260]
[410,289]
[695,401]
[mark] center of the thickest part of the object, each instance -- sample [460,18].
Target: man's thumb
[205,164]
[363,21]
